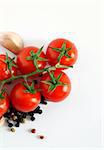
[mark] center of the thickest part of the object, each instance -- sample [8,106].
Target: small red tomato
[31,58]
[5,64]
[63,51]
[24,97]
[4,103]
[56,86]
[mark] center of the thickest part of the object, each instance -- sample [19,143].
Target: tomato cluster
[31,63]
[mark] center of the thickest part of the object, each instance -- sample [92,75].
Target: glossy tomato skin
[22,100]
[27,66]
[52,55]
[4,71]
[4,104]
[61,92]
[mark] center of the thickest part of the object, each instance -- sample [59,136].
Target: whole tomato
[55,86]
[63,51]
[4,103]
[30,59]
[7,67]
[24,97]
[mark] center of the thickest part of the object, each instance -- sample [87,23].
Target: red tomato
[25,60]
[4,103]
[64,47]
[61,91]
[5,73]
[24,100]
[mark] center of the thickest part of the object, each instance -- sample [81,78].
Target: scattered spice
[22,120]
[12,130]
[32,118]
[33,130]
[15,118]
[41,136]
[10,125]
[17,124]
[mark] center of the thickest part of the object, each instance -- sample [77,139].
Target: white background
[76,122]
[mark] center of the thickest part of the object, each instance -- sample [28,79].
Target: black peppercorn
[32,118]
[40,111]
[24,115]
[17,124]
[31,113]
[10,125]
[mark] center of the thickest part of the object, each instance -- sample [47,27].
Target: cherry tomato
[59,89]
[29,58]
[24,100]
[5,63]
[63,51]
[4,103]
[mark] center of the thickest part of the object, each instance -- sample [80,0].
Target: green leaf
[56,49]
[10,63]
[61,66]
[32,53]
[46,82]
[27,91]
[68,49]
[68,55]
[63,47]
[60,56]
[7,58]
[59,76]
[29,58]
[61,83]
[32,85]
[35,63]
[25,85]
[52,73]
[39,51]
[42,59]
[1,94]
[11,60]
[14,65]
[51,88]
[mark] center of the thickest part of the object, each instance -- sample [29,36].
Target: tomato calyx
[54,82]
[58,65]
[29,88]
[10,62]
[63,51]
[1,94]
[36,57]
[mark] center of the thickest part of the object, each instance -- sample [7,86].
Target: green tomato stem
[25,76]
